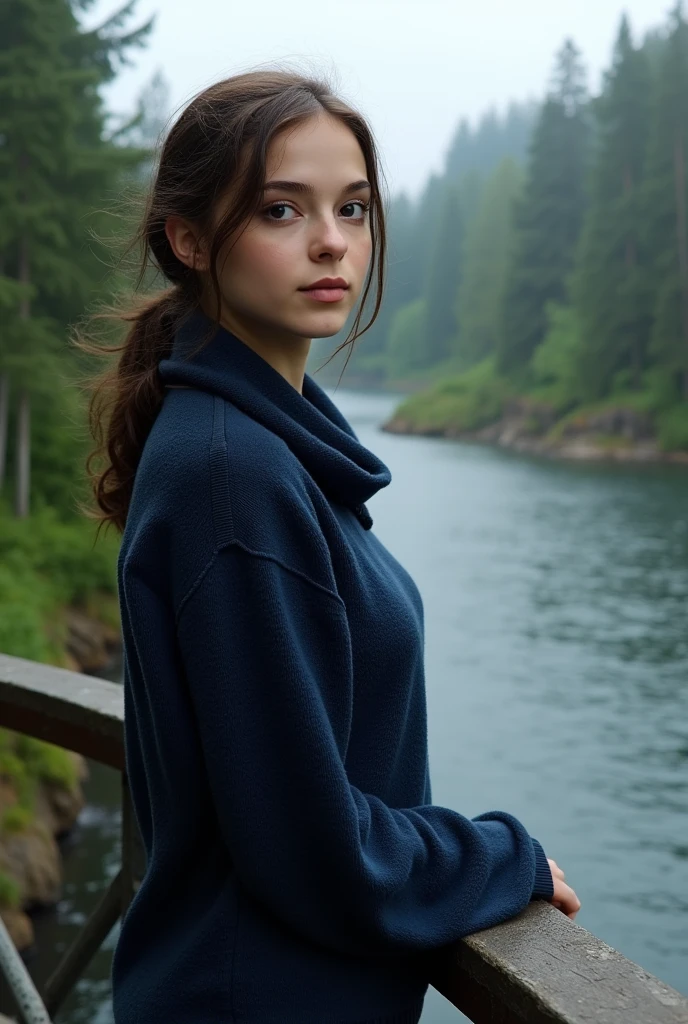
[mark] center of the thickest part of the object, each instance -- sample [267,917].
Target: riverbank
[58,605]
[41,788]
[612,432]
[41,794]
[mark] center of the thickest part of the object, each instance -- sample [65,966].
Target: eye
[282,208]
[357,202]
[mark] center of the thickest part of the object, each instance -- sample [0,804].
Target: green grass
[462,402]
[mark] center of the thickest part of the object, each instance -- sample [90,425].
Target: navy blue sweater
[275,723]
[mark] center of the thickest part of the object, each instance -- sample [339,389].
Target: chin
[325,326]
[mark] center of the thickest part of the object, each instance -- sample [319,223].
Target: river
[556,604]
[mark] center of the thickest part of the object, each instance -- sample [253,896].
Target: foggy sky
[414,67]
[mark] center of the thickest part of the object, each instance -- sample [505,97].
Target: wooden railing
[537,968]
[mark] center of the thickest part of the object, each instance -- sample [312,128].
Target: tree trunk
[682,239]
[24,410]
[4,418]
[23,450]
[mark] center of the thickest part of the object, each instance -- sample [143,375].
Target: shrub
[466,401]
[672,428]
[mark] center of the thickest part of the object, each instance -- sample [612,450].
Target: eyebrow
[303,188]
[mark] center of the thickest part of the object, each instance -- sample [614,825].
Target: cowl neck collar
[310,423]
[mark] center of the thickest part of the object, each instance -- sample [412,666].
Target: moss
[16,819]
[47,762]
[638,402]
[10,894]
[610,442]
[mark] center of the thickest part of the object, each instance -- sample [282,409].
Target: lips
[327,289]
[326,282]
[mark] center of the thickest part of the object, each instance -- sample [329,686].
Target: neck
[285,352]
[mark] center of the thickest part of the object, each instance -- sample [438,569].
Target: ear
[183,239]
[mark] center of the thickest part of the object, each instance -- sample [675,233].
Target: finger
[556,870]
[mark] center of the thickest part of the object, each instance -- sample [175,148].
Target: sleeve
[267,657]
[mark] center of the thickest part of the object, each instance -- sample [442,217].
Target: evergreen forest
[549,260]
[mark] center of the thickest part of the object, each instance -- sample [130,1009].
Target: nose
[327,239]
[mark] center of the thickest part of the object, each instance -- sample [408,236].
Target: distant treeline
[551,256]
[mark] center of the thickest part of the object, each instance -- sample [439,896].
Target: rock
[619,422]
[32,859]
[58,807]
[20,930]
[8,794]
[91,645]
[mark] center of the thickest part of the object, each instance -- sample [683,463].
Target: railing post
[28,1000]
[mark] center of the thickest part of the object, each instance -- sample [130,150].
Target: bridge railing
[537,968]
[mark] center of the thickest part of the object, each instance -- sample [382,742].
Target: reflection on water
[556,657]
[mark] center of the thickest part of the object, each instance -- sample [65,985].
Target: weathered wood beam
[542,968]
[79,712]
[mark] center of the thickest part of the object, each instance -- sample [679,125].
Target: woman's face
[313,225]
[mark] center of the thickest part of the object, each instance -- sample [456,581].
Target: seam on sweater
[266,556]
[194,586]
[219,477]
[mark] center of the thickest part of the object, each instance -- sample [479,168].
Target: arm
[267,657]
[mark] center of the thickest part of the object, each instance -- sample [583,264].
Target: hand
[564,898]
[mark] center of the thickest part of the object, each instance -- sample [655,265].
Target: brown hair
[221,137]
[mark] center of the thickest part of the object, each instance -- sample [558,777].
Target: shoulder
[213,476]
[271,498]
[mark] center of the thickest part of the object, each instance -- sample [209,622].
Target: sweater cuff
[543,887]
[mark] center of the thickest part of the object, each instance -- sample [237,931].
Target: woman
[275,714]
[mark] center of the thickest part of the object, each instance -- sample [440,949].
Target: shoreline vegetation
[628,428]
[58,605]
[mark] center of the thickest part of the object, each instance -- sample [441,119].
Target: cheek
[256,262]
[360,252]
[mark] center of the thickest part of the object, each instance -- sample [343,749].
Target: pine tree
[443,281]
[667,203]
[54,166]
[549,215]
[494,139]
[485,263]
[609,285]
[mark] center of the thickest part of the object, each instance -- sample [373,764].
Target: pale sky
[413,67]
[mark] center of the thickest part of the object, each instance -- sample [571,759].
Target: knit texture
[275,723]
